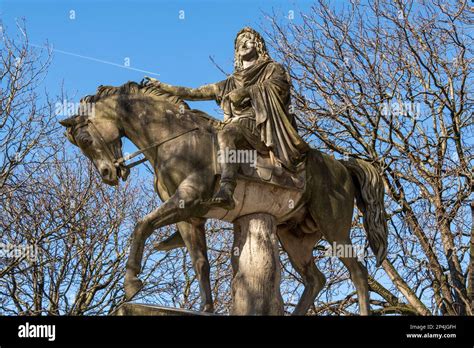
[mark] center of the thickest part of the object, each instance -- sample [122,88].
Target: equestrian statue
[309,194]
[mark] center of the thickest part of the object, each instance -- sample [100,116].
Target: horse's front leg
[179,207]
[169,212]
[194,238]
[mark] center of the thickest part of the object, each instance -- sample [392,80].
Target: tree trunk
[411,297]
[471,263]
[256,267]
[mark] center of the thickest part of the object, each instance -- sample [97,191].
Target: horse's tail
[370,201]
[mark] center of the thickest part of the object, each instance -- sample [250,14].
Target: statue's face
[247,46]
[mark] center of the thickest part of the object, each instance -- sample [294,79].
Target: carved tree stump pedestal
[256,267]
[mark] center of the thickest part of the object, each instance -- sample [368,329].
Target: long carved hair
[260,45]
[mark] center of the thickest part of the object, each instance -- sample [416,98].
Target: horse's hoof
[208,308]
[132,287]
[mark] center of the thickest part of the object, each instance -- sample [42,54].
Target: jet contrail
[95,59]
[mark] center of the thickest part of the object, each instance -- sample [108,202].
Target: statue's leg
[229,137]
[299,247]
[179,207]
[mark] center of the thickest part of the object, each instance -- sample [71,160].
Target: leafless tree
[25,115]
[386,81]
[63,233]
[52,200]
[79,228]
[391,82]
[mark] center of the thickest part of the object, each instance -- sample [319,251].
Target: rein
[120,162]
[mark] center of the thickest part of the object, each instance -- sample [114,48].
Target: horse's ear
[69,122]
[72,121]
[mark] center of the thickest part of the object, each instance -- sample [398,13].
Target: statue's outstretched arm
[205,92]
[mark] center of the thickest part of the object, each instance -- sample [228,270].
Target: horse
[179,143]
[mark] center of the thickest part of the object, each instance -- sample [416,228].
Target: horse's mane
[132,87]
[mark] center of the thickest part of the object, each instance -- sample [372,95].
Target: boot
[224,197]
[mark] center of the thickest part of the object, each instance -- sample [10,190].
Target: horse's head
[97,133]
[100,140]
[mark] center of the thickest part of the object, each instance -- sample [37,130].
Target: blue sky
[150,35]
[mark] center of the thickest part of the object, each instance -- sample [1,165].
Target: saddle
[264,169]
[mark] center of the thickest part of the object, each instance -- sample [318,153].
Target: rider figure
[255,100]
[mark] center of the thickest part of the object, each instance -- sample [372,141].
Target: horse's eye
[85,140]
[88,142]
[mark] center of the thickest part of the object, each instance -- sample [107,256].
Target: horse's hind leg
[299,247]
[357,271]
[359,276]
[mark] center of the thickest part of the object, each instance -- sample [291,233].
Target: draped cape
[269,89]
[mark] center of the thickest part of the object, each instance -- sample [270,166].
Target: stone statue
[269,205]
[255,100]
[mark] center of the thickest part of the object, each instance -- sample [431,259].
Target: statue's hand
[238,95]
[161,85]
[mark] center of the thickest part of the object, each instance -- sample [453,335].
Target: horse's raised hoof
[132,287]
[208,308]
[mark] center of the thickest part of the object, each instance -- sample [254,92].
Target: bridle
[114,154]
